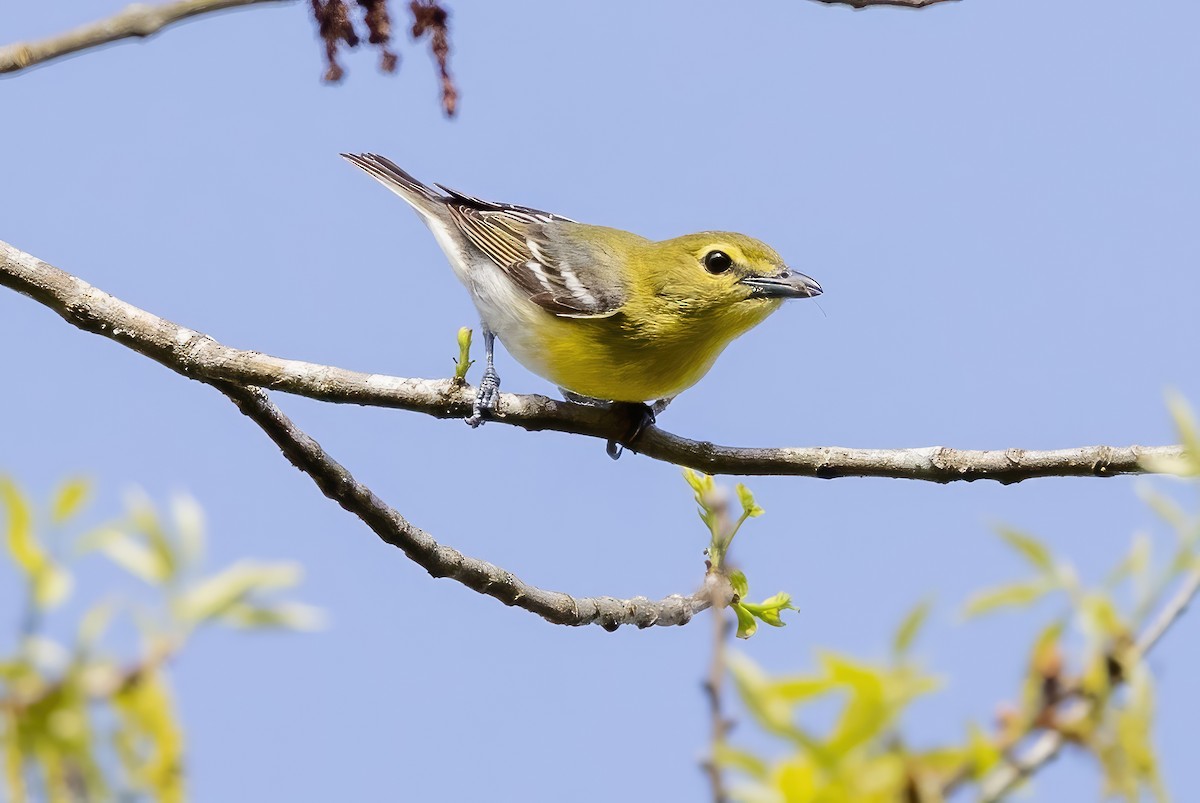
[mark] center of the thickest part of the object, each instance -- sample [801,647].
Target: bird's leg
[488,391]
[640,416]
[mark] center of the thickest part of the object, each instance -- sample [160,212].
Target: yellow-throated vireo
[604,314]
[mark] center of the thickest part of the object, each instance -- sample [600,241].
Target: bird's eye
[717,262]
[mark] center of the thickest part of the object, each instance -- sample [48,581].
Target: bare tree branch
[90,310]
[198,356]
[899,3]
[996,786]
[140,20]
[135,21]
[442,561]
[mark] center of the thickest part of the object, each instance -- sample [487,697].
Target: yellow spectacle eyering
[604,314]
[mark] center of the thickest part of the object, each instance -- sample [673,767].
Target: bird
[606,315]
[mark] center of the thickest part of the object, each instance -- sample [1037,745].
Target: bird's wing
[559,275]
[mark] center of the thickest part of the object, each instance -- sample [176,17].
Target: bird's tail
[422,198]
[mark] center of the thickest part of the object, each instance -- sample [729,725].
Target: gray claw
[486,397]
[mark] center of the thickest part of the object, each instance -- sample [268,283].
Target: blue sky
[999,199]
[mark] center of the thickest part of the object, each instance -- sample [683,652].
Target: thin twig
[135,21]
[717,589]
[1047,746]
[442,561]
[198,356]
[1169,614]
[714,686]
[898,3]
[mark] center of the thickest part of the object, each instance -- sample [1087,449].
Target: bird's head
[730,279]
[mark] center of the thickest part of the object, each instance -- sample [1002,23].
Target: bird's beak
[787,284]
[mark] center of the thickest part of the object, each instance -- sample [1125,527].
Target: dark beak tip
[788,284]
[806,286]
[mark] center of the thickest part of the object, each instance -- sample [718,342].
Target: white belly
[503,307]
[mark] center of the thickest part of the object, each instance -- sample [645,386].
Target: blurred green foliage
[1085,679]
[77,720]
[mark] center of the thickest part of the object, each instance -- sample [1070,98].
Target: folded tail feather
[423,198]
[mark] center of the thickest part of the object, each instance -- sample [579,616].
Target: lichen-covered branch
[197,356]
[138,20]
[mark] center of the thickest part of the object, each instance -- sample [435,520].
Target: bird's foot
[486,396]
[641,416]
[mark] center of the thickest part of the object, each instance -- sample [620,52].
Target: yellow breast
[615,359]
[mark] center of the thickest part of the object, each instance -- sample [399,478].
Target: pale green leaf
[1164,507]
[1182,466]
[909,628]
[1136,564]
[1189,435]
[213,596]
[757,692]
[850,672]
[1125,750]
[802,688]
[15,759]
[283,615]
[867,710]
[1100,619]
[1015,595]
[747,625]
[903,684]
[1140,564]
[1048,638]
[94,623]
[464,361]
[770,609]
[51,583]
[700,483]
[749,507]
[153,738]
[1028,547]
[69,499]
[741,586]
[982,750]
[127,552]
[1184,561]
[944,762]
[17,670]
[188,519]
[22,544]
[145,519]
[798,779]
[731,758]
[52,586]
